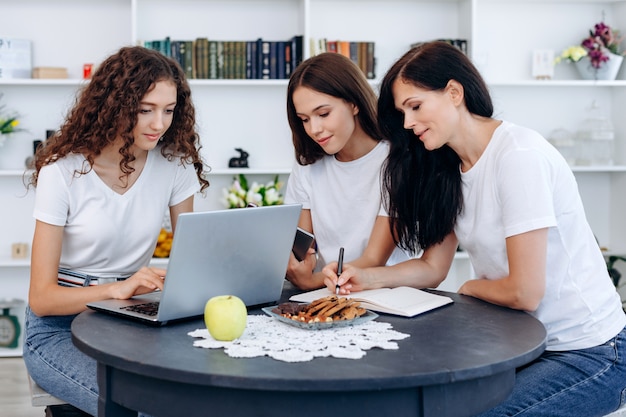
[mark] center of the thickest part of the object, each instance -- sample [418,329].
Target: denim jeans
[586,383]
[57,365]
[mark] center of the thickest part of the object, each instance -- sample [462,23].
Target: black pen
[339,268]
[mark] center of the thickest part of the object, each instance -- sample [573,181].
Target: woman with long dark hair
[455,173]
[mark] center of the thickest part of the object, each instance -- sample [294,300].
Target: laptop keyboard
[149,309]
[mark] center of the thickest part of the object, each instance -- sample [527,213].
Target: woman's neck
[474,136]
[359,145]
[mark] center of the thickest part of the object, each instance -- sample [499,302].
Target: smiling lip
[153,137]
[323,141]
[419,134]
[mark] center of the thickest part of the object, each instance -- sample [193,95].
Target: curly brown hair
[106,109]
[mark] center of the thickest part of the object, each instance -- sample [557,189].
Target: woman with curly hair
[127,151]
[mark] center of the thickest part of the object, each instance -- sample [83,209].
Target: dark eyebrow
[315,109]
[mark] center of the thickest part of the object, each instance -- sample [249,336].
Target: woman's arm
[379,247]
[185,206]
[47,298]
[300,273]
[524,287]
[427,271]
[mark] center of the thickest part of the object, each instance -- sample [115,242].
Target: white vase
[608,70]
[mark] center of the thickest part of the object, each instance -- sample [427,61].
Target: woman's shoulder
[70,163]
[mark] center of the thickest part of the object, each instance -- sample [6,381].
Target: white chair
[41,398]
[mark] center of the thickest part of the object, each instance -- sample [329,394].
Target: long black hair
[424,187]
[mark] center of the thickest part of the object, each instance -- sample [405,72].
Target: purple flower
[600,43]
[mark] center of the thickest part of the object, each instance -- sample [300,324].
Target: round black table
[459,360]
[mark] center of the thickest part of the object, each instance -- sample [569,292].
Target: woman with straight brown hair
[339,153]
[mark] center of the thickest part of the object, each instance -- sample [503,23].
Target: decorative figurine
[241,161]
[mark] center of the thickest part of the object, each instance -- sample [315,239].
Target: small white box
[15,58]
[543,64]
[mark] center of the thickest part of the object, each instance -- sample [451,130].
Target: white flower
[240,194]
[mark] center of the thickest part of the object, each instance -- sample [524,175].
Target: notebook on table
[242,252]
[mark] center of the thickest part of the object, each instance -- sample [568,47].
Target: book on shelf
[251,60]
[264,59]
[371,61]
[459,43]
[212,60]
[343,47]
[240,60]
[288,64]
[362,53]
[273,60]
[399,301]
[204,58]
[220,60]
[331,46]
[297,53]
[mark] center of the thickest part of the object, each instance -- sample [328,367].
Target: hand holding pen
[339,268]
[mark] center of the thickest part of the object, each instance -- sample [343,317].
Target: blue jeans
[586,383]
[57,365]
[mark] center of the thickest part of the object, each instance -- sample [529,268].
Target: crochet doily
[265,336]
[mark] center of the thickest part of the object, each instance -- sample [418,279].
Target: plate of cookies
[323,313]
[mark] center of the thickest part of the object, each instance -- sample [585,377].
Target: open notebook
[401,301]
[242,252]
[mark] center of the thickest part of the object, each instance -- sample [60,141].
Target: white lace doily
[265,336]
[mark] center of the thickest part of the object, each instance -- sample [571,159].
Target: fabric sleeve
[186,183]
[525,190]
[51,196]
[298,187]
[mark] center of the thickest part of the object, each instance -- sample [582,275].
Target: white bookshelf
[251,114]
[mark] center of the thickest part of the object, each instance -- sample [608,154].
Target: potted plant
[240,194]
[598,56]
[8,122]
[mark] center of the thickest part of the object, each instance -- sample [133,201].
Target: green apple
[225,317]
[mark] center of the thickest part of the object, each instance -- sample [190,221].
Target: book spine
[187,53]
[201,65]
[343,47]
[331,46]
[249,60]
[371,61]
[281,72]
[363,57]
[265,60]
[288,55]
[354,52]
[297,47]
[240,59]
[220,60]
[212,60]
[273,60]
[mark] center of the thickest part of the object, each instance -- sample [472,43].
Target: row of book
[204,58]
[459,43]
[361,53]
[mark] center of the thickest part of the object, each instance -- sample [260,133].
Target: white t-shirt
[521,183]
[344,199]
[108,234]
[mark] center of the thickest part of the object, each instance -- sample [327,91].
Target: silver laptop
[242,252]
